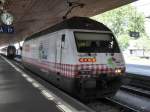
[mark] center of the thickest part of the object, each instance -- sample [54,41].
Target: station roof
[32,16]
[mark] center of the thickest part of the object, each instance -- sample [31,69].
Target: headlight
[118,71]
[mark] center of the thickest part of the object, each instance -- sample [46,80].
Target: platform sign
[134,34]
[6,29]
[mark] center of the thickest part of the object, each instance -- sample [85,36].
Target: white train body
[69,56]
[9,51]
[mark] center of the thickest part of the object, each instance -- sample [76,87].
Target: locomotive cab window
[95,42]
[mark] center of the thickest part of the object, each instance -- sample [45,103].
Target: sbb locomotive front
[79,55]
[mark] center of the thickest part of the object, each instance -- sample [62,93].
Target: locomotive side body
[84,59]
[45,57]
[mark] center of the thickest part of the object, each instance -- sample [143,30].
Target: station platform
[21,93]
[138,69]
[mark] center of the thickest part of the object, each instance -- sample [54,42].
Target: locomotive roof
[73,23]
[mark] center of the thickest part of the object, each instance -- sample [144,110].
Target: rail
[139,81]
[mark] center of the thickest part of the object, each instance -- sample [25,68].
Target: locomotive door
[59,48]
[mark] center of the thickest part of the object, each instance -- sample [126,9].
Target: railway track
[139,81]
[116,105]
[110,105]
[136,90]
[123,107]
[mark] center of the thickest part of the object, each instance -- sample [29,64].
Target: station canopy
[31,16]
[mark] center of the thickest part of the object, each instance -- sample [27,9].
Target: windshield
[88,42]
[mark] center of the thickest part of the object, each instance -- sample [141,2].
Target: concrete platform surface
[21,93]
